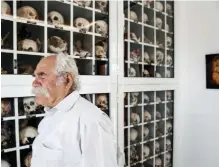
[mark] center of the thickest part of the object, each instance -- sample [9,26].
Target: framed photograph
[212,71]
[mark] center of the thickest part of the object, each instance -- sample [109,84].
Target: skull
[147,2]
[168,158]
[134,98]
[102,5]
[78,51]
[168,111]
[146,58]
[158,115]
[5,107]
[133,16]
[168,73]
[169,9]
[133,155]
[29,45]
[27,159]
[5,164]
[100,52]
[168,144]
[167,28]
[158,100]
[158,75]
[29,104]
[146,73]
[134,37]
[57,45]
[101,102]
[5,8]
[135,55]
[146,98]
[133,134]
[132,72]
[159,23]
[145,131]
[82,2]
[169,41]
[145,18]
[5,138]
[27,69]
[135,118]
[82,24]
[101,27]
[160,57]
[169,95]
[169,60]
[147,116]
[157,146]
[27,133]
[27,12]
[159,6]
[55,17]
[158,162]
[169,127]
[146,151]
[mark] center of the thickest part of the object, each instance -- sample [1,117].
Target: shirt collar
[65,104]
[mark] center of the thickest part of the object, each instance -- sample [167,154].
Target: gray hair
[66,64]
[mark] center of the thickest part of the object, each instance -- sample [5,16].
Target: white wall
[197,121]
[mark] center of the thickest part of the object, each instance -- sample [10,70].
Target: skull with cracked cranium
[27,12]
[29,45]
[57,44]
[82,24]
[55,18]
[28,134]
[102,102]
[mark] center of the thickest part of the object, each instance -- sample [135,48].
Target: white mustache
[40,91]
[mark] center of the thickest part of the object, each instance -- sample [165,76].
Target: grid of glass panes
[148,128]
[149,38]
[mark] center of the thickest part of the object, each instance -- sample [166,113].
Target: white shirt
[75,133]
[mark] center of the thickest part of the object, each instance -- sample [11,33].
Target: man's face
[47,91]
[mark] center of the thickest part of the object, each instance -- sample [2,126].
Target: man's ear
[69,81]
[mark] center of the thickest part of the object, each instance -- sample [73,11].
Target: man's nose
[36,83]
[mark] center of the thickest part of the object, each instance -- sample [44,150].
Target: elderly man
[74,132]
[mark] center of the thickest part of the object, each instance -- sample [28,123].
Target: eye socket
[32,103]
[56,18]
[31,14]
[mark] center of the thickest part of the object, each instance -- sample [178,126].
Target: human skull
[5,8]
[168,158]
[169,95]
[159,6]
[167,28]
[158,115]
[168,144]
[169,41]
[29,104]
[146,151]
[26,69]
[159,57]
[132,72]
[29,45]
[78,51]
[84,3]
[133,134]
[135,55]
[147,116]
[100,52]
[27,159]
[55,17]
[145,18]
[169,9]
[159,23]
[101,102]
[27,12]
[169,60]
[5,164]
[102,5]
[146,98]
[82,24]
[135,118]
[5,137]
[168,73]
[145,131]
[157,146]
[158,75]
[146,58]
[57,45]
[134,98]
[147,3]
[134,37]
[158,162]
[133,16]
[146,73]
[5,107]
[133,155]
[169,127]
[27,133]
[168,111]
[158,100]
[101,27]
